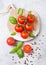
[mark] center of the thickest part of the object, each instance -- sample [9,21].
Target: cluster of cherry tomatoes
[24,25]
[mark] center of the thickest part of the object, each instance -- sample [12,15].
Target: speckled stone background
[38,56]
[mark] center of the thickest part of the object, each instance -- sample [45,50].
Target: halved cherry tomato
[31,18]
[29,27]
[18,28]
[24,34]
[11,41]
[27,48]
[21,19]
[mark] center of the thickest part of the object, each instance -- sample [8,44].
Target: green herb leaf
[13,33]
[32,35]
[29,12]
[12,20]
[13,50]
[20,11]
[20,53]
[19,45]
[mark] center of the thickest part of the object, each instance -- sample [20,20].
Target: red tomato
[29,27]
[24,34]
[27,48]
[18,28]
[11,41]
[31,18]
[21,19]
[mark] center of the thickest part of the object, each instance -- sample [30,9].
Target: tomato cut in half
[27,48]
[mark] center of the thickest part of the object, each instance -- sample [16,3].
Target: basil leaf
[13,33]
[12,20]
[20,53]
[13,50]
[20,11]
[29,12]
[19,45]
[32,35]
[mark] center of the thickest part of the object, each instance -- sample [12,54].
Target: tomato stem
[32,16]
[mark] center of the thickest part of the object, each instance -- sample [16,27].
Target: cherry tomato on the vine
[24,34]
[18,28]
[21,19]
[31,18]
[29,27]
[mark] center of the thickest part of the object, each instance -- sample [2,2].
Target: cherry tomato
[27,48]
[31,18]
[21,19]
[29,27]
[18,28]
[24,34]
[11,41]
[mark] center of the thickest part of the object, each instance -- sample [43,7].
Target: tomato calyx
[28,24]
[22,18]
[32,16]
